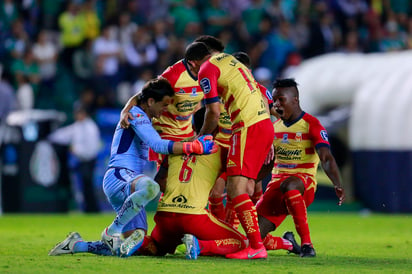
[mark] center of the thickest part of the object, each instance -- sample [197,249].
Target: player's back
[238,90]
[190,179]
[176,123]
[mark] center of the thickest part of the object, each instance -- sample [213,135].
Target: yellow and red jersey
[190,179]
[225,77]
[176,123]
[296,143]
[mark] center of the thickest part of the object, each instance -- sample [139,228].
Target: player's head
[212,42]
[196,54]
[242,57]
[286,99]
[155,96]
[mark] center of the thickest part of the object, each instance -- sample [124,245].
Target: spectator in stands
[140,53]
[83,137]
[107,51]
[45,54]
[91,20]
[71,25]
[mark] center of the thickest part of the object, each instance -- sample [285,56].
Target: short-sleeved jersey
[266,93]
[130,147]
[190,179]
[296,143]
[222,75]
[176,123]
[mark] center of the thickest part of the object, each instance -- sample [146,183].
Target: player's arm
[208,75]
[331,169]
[212,114]
[125,115]
[142,126]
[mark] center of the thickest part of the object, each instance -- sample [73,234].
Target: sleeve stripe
[211,100]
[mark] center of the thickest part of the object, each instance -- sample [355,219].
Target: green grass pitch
[345,243]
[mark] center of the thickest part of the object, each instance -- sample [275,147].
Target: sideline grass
[345,243]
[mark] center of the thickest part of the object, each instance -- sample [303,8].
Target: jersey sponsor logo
[143,122]
[324,135]
[139,115]
[205,84]
[287,154]
[186,106]
[179,199]
[261,112]
[298,137]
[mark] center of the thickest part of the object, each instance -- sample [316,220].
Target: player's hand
[203,145]
[124,118]
[270,155]
[340,192]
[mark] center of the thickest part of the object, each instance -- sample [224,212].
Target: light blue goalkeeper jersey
[130,147]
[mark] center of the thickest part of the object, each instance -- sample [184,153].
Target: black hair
[242,57]
[286,83]
[212,42]
[155,88]
[196,51]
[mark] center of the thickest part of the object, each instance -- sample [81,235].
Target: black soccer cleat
[307,251]
[288,235]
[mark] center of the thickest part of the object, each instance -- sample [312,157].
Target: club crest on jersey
[181,91]
[285,139]
[194,92]
[324,135]
[298,137]
[205,84]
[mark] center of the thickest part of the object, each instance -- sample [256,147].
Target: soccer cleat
[249,253]
[112,241]
[66,246]
[288,235]
[192,246]
[307,251]
[132,243]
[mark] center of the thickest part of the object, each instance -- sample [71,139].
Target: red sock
[273,243]
[217,208]
[231,216]
[297,208]
[247,215]
[256,196]
[220,247]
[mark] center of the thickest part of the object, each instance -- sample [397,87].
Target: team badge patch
[285,139]
[298,137]
[269,95]
[324,135]
[205,84]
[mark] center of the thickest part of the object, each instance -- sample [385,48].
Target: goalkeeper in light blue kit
[126,187]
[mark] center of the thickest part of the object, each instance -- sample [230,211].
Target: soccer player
[125,185]
[181,212]
[221,75]
[176,122]
[255,189]
[300,143]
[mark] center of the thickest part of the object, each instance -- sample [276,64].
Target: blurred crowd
[55,53]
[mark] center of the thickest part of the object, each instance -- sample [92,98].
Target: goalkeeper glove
[203,145]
